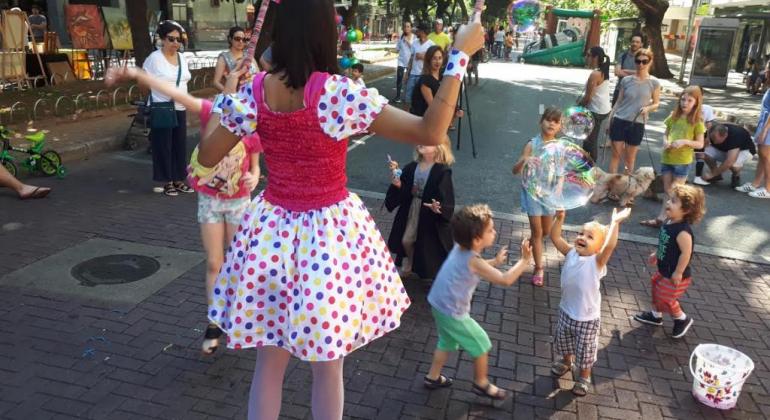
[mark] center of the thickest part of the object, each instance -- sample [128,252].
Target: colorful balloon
[338,19]
[523,14]
[559,175]
[353,61]
[352,36]
[359,35]
[345,62]
[343,34]
[577,122]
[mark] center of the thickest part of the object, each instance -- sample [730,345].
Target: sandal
[537,279]
[170,191]
[582,387]
[183,188]
[560,368]
[38,192]
[211,340]
[441,382]
[653,223]
[486,391]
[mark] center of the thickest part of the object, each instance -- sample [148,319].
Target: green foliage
[611,9]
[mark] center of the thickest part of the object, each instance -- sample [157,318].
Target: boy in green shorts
[452,291]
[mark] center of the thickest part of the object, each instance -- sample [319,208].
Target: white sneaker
[700,181]
[760,193]
[746,188]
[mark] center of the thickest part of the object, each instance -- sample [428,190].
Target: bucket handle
[692,355]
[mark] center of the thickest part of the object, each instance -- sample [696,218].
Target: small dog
[621,188]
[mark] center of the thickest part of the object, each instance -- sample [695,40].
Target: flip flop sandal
[500,395]
[38,192]
[170,190]
[560,368]
[441,382]
[582,387]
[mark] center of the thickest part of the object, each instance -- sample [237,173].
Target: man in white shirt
[405,49]
[421,45]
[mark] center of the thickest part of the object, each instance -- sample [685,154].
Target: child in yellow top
[684,134]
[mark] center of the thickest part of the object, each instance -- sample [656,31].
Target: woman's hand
[119,74]
[392,164]
[470,38]
[234,79]
[644,113]
[678,144]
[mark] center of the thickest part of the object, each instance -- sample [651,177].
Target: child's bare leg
[439,359]
[536,231]
[481,370]
[585,373]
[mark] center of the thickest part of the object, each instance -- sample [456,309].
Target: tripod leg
[470,122]
[459,120]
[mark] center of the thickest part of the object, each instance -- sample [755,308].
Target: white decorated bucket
[718,374]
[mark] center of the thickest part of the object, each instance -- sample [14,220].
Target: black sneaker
[716,179]
[648,318]
[681,326]
[735,180]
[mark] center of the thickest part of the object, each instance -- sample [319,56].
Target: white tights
[265,397]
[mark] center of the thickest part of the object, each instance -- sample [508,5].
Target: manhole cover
[114,269]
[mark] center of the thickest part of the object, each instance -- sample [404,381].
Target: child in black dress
[425,198]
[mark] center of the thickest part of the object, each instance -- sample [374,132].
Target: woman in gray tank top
[639,96]
[228,60]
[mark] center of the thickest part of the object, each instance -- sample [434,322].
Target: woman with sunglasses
[169,153]
[638,96]
[228,60]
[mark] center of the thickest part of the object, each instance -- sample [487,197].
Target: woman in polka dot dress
[308,273]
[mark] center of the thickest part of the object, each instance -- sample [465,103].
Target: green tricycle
[46,161]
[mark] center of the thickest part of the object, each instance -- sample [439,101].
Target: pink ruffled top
[304,150]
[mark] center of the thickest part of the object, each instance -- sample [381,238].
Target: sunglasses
[174,38]
[638,61]
[240,39]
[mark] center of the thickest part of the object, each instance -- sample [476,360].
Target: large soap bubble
[523,14]
[577,123]
[559,175]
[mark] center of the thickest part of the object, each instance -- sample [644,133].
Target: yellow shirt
[680,129]
[440,39]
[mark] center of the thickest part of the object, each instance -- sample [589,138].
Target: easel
[17,46]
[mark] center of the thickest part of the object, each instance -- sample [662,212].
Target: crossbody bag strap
[179,69]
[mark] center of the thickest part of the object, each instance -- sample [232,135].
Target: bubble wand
[477,8]
[255,32]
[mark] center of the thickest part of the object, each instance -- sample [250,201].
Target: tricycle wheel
[10,167]
[49,163]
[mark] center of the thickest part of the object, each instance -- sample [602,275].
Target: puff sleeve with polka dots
[346,109]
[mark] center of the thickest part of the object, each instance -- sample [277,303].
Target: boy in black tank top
[685,207]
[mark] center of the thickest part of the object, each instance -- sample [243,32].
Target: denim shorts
[629,132]
[679,171]
[532,207]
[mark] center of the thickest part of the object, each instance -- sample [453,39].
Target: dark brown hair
[429,57]
[469,224]
[551,114]
[693,202]
[304,40]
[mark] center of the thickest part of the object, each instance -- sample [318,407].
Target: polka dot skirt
[318,284]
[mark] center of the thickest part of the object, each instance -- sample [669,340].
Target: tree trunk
[652,11]
[441,9]
[136,11]
[463,9]
[349,15]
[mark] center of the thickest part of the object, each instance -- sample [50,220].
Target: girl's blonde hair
[695,113]
[443,154]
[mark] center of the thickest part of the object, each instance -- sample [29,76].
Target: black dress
[434,234]
[419,104]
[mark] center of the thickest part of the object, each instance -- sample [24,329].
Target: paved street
[72,351]
[505,109]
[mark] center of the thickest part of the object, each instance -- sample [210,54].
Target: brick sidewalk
[145,361]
